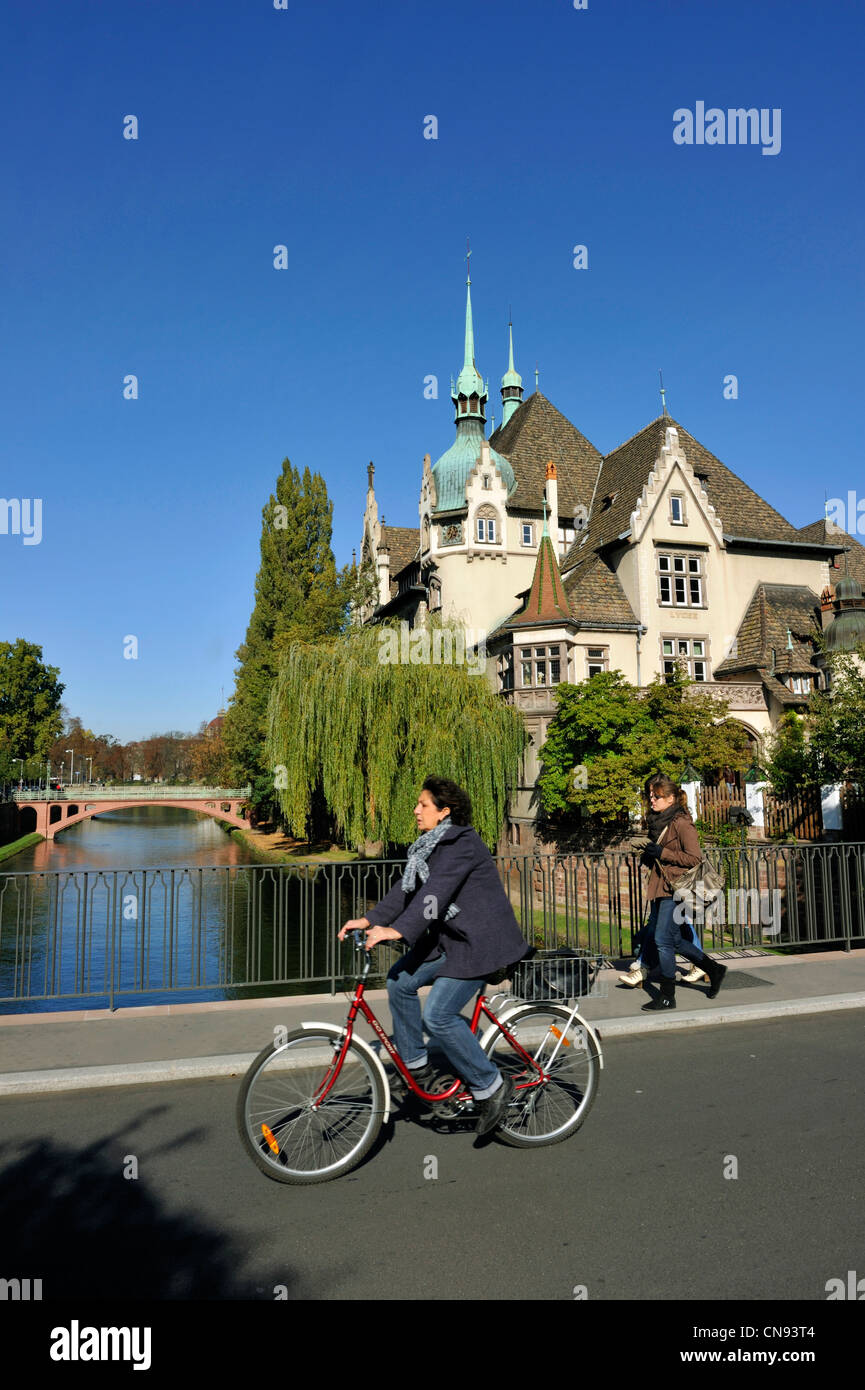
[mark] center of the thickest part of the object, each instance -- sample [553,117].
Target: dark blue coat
[483,937]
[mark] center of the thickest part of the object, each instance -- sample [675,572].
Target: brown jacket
[680,850]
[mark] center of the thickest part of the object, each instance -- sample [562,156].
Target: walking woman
[674,847]
[452,910]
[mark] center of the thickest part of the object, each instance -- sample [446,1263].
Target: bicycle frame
[456,1091]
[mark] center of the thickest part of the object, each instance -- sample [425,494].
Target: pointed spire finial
[663,392]
[536,376]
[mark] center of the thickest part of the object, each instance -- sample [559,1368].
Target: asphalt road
[635,1206]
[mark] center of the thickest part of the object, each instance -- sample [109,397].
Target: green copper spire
[512,383]
[469,381]
[469,395]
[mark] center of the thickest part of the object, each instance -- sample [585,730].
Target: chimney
[552,495]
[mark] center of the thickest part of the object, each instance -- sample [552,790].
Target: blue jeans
[669,938]
[443,1021]
[648,954]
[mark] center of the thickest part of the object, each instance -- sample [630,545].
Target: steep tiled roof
[775,608]
[536,433]
[825,532]
[596,596]
[624,474]
[546,602]
[403,543]
[782,693]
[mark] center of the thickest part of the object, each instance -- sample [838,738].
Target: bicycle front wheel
[301,1120]
[550,1104]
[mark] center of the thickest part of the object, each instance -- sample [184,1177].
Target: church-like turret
[469,395]
[512,383]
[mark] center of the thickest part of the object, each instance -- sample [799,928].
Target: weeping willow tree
[364,719]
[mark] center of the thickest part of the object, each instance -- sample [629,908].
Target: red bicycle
[313,1103]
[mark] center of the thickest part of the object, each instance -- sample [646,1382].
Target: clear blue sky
[260,126]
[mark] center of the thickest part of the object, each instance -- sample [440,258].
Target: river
[156,904]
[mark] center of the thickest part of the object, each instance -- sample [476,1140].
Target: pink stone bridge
[49,812]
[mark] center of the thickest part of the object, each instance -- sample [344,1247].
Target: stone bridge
[49,812]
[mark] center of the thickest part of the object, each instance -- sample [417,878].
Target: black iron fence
[231,932]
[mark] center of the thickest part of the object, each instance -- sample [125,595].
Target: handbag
[697,890]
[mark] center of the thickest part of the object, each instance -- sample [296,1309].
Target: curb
[202,1068]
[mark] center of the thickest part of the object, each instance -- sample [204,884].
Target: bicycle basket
[556,975]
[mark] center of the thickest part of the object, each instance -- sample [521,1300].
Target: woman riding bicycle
[452,910]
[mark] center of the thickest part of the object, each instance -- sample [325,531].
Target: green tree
[608,737]
[363,732]
[835,724]
[298,597]
[30,711]
[787,762]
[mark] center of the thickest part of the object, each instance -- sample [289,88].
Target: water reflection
[140,836]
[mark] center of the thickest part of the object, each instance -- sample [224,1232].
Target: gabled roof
[623,477]
[774,609]
[536,433]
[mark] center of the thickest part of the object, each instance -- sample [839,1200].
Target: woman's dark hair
[667,787]
[447,793]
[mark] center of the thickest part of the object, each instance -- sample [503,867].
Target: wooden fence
[798,815]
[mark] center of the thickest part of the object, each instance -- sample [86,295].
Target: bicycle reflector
[271,1142]
[556,1034]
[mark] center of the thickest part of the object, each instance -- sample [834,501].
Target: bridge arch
[48,816]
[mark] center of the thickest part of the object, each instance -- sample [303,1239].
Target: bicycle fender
[337,1031]
[514,1013]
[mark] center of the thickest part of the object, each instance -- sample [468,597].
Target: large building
[566,562]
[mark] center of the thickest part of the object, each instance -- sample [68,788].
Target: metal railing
[151,791]
[124,934]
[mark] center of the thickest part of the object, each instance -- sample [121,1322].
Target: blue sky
[304,127]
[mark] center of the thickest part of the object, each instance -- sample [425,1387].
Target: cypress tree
[365,732]
[298,597]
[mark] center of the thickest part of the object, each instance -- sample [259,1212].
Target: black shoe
[716,973]
[665,1000]
[493,1109]
[424,1077]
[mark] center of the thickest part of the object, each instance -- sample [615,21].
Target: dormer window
[608,501]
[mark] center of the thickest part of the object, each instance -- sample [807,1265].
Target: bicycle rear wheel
[547,1109]
[299,1123]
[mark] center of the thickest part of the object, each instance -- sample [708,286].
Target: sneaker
[695,976]
[635,976]
[493,1109]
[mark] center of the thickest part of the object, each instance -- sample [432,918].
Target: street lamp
[71,766]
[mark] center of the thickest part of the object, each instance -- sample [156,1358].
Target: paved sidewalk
[72,1051]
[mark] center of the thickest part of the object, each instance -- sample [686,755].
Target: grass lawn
[25,842]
